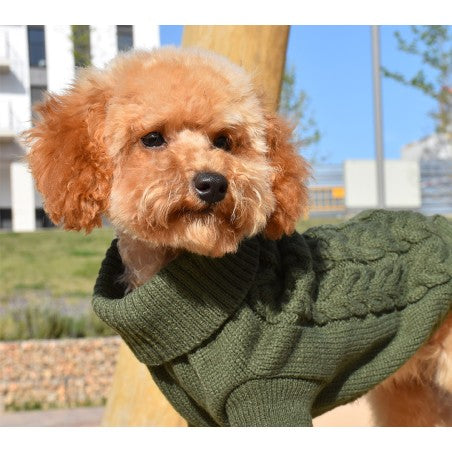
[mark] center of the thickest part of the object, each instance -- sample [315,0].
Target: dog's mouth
[195,213]
[206,210]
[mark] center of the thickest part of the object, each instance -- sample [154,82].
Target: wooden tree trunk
[135,399]
[260,49]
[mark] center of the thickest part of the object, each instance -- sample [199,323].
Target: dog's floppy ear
[68,157]
[289,187]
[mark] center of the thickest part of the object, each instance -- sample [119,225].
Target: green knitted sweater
[285,330]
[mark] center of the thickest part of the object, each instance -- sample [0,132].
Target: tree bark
[260,49]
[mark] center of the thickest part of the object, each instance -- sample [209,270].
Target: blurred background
[53,352]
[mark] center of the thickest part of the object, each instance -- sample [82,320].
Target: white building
[421,180]
[402,189]
[38,58]
[434,155]
[437,146]
[347,188]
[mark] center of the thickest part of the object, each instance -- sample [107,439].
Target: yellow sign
[338,192]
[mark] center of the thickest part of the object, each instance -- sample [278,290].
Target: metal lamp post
[379,151]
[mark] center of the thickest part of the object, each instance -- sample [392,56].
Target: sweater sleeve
[276,402]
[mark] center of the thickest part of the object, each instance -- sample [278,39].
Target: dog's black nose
[210,187]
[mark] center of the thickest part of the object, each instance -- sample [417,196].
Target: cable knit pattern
[284,330]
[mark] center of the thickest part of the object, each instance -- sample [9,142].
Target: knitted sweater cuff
[276,402]
[174,311]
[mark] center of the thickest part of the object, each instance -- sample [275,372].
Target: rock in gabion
[56,373]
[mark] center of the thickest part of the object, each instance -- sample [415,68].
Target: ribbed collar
[181,306]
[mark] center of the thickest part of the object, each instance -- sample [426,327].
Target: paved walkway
[356,414]
[76,417]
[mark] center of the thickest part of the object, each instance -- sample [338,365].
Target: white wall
[23,198]
[103,40]
[104,44]
[59,56]
[146,36]
[15,85]
[15,106]
[402,184]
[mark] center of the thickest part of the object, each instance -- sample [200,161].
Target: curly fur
[88,161]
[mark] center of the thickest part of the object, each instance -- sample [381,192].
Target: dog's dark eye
[153,140]
[222,142]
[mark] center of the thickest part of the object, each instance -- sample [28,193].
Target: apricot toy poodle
[179,151]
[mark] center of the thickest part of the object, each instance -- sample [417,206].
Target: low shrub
[46,322]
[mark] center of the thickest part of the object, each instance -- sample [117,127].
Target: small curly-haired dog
[177,149]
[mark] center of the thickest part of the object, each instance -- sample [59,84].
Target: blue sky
[333,65]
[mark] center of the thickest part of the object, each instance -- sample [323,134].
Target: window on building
[125,37]
[42,220]
[6,218]
[37,95]
[81,45]
[36,45]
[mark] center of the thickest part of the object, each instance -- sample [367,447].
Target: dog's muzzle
[210,187]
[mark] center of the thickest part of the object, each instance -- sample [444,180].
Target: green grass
[302,225]
[61,264]
[58,263]
[47,278]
